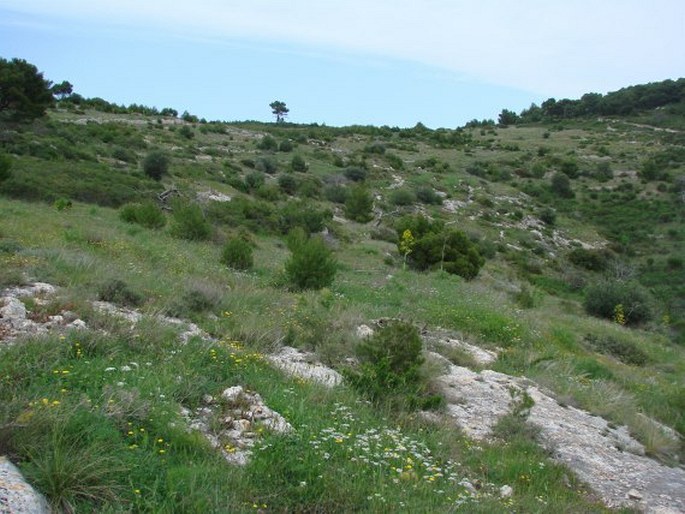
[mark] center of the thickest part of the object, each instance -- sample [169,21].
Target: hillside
[542,275]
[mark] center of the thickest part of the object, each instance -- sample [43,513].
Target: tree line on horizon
[624,102]
[25,95]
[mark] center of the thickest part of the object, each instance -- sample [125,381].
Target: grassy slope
[82,247]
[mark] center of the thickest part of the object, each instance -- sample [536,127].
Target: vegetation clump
[311,265]
[438,247]
[237,254]
[147,214]
[602,299]
[156,164]
[390,367]
[359,204]
[189,222]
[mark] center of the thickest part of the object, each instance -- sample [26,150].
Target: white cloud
[547,47]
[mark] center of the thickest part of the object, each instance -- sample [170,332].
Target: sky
[343,62]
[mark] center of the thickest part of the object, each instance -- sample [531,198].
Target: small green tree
[237,254]
[62,90]
[561,186]
[312,265]
[298,163]
[147,214]
[389,371]
[156,164]
[279,110]
[189,222]
[359,204]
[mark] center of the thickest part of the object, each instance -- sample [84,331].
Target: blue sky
[339,62]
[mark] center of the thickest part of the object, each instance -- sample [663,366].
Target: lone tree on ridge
[279,110]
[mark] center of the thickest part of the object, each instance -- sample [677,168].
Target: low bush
[435,247]
[237,254]
[297,163]
[286,146]
[312,265]
[592,260]
[189,222]
[156,164]
[359,205]
[390,364]
[117,291]
[622,349]
[147,214]
[267,143]
[287,184]
[603,298]
[355,174]
[402,197]
[428,196]
[336,193]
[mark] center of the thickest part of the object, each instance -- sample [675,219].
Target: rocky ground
[606,457]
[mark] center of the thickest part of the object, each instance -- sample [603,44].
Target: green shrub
[267,143]
[186,132]
[428,196]
[561,186]
[237,254]
[303,215]
[336,193]
[124,154]
[355,174]
[117,291]
[402,197]
[63,204]
[287,184]
[394,160]
[570,168]
[286,146]
[359,205]
[602,299]
[390,364]
[147,214]
[311,265]
[592,260]
[622,349]
[548,216]
[189,222]
[309,187]
[268,165]
[436,247]
[5,166]
[268,192]
[156,164]
[298,163]
[254,180]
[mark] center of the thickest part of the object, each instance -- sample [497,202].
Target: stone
[16,495]
[13,311]
[505,491]
[232,394]
[304,365]
[633,494]
[364,331]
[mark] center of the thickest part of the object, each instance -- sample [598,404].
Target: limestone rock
[505,491]
[304,365]
[608,459]
[16,495]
